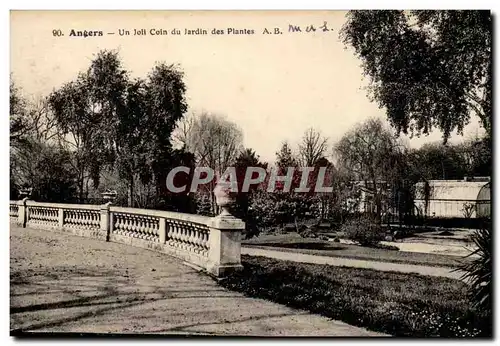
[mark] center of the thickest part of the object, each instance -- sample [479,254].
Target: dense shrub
[47,169]
[363,230]
[479,271]
[399,304]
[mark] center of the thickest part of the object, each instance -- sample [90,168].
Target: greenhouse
[468,198]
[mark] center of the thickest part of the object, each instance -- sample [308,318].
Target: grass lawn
[293,242]
[394,303]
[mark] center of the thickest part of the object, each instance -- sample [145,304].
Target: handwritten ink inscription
[309,28]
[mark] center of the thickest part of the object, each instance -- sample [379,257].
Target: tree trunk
[130,199]
[80,187]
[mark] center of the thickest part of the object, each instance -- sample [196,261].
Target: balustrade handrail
[30,203]
[170,215]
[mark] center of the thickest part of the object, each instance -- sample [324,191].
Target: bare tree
[216,143]
[41,120]
[182,131]
[312,148]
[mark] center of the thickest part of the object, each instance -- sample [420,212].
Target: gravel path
[65,283]
[349,262]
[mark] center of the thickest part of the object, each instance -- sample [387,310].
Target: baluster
[152,229]
[168,224]
[192,238]
[117,227]
[155,224]
[125,224]
[156,229]
[198,240]
[148,225]
[147,228]
[131,220]
[184,236]
[143,227]
[205,242]
[171,230]
[189,237]
[133,226]
[177,235]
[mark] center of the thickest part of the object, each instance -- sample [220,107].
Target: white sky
[273,87]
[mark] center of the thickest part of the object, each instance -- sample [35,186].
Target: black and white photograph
[307,173]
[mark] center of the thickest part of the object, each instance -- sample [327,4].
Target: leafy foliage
[45,168]
[19,125]
[85,111]
[479,271]
[427,68]
[372,155]
[110,120]
[364,230]
[247,158]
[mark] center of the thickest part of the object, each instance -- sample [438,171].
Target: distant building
[364,202]
[467,198]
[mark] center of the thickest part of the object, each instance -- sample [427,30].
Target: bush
[479,271]
[47,169]
[363,230]
[399,304]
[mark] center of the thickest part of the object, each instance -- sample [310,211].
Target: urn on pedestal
[225,199]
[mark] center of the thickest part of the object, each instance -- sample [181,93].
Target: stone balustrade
[210,243]
[14,210]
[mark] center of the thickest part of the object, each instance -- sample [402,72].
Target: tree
[477,154]
[180,136]
[216,143]
[19,126]
[427,68]
[285,157]
[112,121]
[46,169]
[438,161]
[290,206]
[345,197]
[247,158]
[145,122]
[85,111]
[371,153]
[43,126]
[312,148]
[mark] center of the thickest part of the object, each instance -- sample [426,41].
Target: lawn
[292,242]
[394,303]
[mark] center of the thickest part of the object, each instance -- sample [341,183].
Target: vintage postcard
[251,173]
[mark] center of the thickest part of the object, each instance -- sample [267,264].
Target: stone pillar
[224,255]
[22,214]
[61,217]
[162,230]
[105,220]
